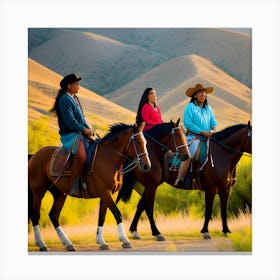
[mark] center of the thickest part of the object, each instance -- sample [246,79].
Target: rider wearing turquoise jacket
[199,120]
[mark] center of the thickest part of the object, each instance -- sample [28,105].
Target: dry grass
[177,228]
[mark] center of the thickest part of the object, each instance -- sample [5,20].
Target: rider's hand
[87,132]
[206,134]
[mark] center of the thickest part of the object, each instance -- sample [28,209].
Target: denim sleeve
[66,108]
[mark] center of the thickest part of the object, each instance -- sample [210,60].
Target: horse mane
[227,131]
[159,130]
[115,129]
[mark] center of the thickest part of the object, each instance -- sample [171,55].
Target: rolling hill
[42,89]
[231,101]
[110,58]
[119,63]
[105,63]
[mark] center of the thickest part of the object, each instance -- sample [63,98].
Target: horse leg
[209,199]
[35,217]
[149,197]
[139,211]
[59,199]
[223,200]
[101,218]
[107,197]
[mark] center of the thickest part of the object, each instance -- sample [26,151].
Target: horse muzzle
[144,165]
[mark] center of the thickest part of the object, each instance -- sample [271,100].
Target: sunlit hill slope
[231,101]
[43,87]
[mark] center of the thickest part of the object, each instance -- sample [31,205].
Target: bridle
[177,147]
[138,155]
[249,135]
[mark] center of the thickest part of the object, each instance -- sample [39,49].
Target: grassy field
[176,229]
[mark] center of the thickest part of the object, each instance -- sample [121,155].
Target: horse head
[179,141]
[129,142]
[137,148]
[170,136]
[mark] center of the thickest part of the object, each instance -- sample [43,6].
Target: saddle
[61,163]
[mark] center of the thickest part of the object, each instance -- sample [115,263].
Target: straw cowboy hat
[69,79]
[198,87]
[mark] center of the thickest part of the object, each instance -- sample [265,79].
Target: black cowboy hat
[69,79]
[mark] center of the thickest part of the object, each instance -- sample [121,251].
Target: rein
[229,148]
[156,141]
[162,145]
[133,163]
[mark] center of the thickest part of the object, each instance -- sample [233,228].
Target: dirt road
[190,245]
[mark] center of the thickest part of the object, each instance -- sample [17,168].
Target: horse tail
[127,187]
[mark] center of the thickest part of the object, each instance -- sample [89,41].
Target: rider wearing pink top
[148,111]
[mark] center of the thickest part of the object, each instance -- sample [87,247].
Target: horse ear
[249,124]
[177,123]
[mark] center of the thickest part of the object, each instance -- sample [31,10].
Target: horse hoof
[104,247]
[44,249]
[160,237]
[126,245]
[206,235]
[135,235]
[70,248]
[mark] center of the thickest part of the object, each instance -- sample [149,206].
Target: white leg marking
[121,233]
[38,239]
[63,237]
[99,237]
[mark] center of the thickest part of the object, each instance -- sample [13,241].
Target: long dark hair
[193,100]
[143,100]
[61,91]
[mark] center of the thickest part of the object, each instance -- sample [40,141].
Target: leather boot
[77,170]
[76,188]
[182,172]
[196,184]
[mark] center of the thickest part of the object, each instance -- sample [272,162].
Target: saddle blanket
[61,163]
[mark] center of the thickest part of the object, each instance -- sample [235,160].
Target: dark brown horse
[103,177]
[227,147]
[160,140]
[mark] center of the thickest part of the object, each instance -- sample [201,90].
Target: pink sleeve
[149,115]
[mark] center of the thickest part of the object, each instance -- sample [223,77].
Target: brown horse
[103,177]
[160,139]
[227,147]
